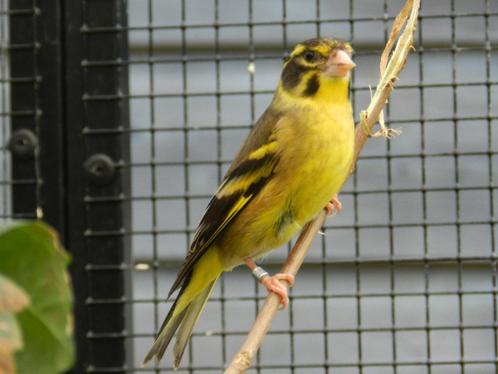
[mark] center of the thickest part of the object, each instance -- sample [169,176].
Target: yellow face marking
[331,91]
[324,48]
[298,49]
[304,78]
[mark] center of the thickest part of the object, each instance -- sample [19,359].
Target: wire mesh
[30,113]
[17,80]
[403,281]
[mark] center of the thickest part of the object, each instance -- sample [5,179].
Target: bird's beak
[339,64]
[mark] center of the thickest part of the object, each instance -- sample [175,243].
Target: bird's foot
[333,207]
[273,284]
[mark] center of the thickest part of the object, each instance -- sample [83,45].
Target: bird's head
[316,62]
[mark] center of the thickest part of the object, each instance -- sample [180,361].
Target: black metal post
[36,111]
[96,103]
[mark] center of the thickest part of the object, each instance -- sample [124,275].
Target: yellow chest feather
[318,157]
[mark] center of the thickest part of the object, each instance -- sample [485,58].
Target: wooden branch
[242,361]
[389,68]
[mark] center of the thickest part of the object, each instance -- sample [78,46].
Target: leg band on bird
[259,273]
[272,283]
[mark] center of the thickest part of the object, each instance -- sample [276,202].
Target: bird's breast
[319,158]
[314,160]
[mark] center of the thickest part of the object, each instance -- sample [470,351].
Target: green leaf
[33,257]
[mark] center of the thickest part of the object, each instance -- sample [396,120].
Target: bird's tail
[185,311]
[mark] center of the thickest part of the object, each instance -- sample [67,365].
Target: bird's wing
[251,169]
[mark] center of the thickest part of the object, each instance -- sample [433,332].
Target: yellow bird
[291,166]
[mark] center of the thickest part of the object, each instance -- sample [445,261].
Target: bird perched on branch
[291,166]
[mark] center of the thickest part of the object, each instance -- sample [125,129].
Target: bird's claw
[333,207]
[273,284]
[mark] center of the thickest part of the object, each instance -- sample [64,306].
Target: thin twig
[390,69]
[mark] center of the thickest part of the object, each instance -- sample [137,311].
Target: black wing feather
[217,216]
[215,220]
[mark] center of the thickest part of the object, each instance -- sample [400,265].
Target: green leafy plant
[34,283]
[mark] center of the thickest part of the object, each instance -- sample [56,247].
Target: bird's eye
[309,56]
